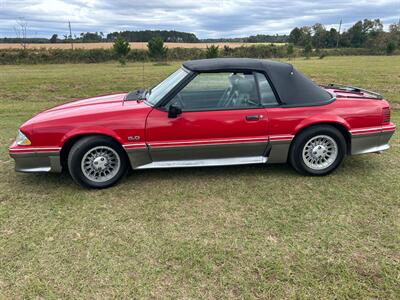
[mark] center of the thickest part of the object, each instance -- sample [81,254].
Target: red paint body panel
[193,128]
[107,115]
[110,115]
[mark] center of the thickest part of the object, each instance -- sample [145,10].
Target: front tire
[97,162]
[318,150]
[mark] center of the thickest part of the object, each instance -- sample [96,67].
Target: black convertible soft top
[292,87]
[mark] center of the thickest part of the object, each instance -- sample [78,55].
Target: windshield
[157,92]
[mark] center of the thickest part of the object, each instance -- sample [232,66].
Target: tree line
[363,34]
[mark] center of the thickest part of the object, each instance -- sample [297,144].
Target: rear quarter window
[266,93]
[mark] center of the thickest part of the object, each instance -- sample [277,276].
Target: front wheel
[317,150]
[97,162]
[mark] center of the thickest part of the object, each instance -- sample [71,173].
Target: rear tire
[97,162]
[317,150]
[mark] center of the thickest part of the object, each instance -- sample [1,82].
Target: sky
[205,18]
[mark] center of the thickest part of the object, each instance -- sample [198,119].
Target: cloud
[206,18]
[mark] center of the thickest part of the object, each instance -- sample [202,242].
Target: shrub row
[55,56]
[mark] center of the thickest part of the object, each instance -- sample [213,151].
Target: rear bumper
[41,159]
[371,140]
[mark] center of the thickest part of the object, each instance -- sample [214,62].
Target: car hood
[80,107]
[98,100]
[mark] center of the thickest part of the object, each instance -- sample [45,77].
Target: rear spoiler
[352,89]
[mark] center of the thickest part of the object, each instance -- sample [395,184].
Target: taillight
[386,115]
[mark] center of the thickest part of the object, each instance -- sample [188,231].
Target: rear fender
[321,119]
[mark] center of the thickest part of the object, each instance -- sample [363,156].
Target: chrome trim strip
[205,162]
[48,149]
[389,127]
[177,146]
[137,144]
[361,130]
[287,137]
[34,170]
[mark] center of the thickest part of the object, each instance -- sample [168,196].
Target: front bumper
[36,159]
[371,140]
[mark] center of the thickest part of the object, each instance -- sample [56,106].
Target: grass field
[134,45]
[232,232]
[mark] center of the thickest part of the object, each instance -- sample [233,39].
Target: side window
[218,91]
[266,93]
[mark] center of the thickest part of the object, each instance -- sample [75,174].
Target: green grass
[233,232]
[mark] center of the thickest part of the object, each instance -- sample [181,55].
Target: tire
[317,150]
[97,162]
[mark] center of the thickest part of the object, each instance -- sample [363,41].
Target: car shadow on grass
[51,181]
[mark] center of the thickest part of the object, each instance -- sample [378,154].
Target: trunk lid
[345,91]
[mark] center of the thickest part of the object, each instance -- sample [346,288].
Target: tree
[290,50]
[53,38]
[394,33]
[307,50]
[212,51]
[147,35]
[91,37]
[21,30]
[295,36]
[390,48]
[332,38]
[319,36]
[121,49]
[156,49]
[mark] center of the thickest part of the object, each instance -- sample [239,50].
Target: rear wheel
[317,150]
[97,162]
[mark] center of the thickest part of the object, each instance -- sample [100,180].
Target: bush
[59,56]
[157,50]
[322,54]
[227,51]
[185,53]
[212,51]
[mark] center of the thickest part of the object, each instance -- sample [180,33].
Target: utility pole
[338,38]
[70,35]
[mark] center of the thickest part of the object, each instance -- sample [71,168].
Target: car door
[221,119]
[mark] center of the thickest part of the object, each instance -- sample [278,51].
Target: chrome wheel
[320,152]
[100,164]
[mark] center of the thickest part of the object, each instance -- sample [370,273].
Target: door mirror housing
[174,111]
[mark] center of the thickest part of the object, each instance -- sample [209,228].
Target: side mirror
[174,112]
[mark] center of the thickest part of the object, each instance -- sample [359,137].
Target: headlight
[22,140]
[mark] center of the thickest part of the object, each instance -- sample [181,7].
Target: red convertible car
[212,112]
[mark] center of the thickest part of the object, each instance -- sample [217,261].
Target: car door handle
[253,118]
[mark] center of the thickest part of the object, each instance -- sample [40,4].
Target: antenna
[70,35]
[143,67]
[340,27]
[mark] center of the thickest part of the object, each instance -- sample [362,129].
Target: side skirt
[205,162]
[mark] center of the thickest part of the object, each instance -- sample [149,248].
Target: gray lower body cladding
[363,143]
[275,151]
[32,162]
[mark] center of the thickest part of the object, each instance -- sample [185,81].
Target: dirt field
[133,45]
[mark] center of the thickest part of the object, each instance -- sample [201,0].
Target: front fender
[91,130]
